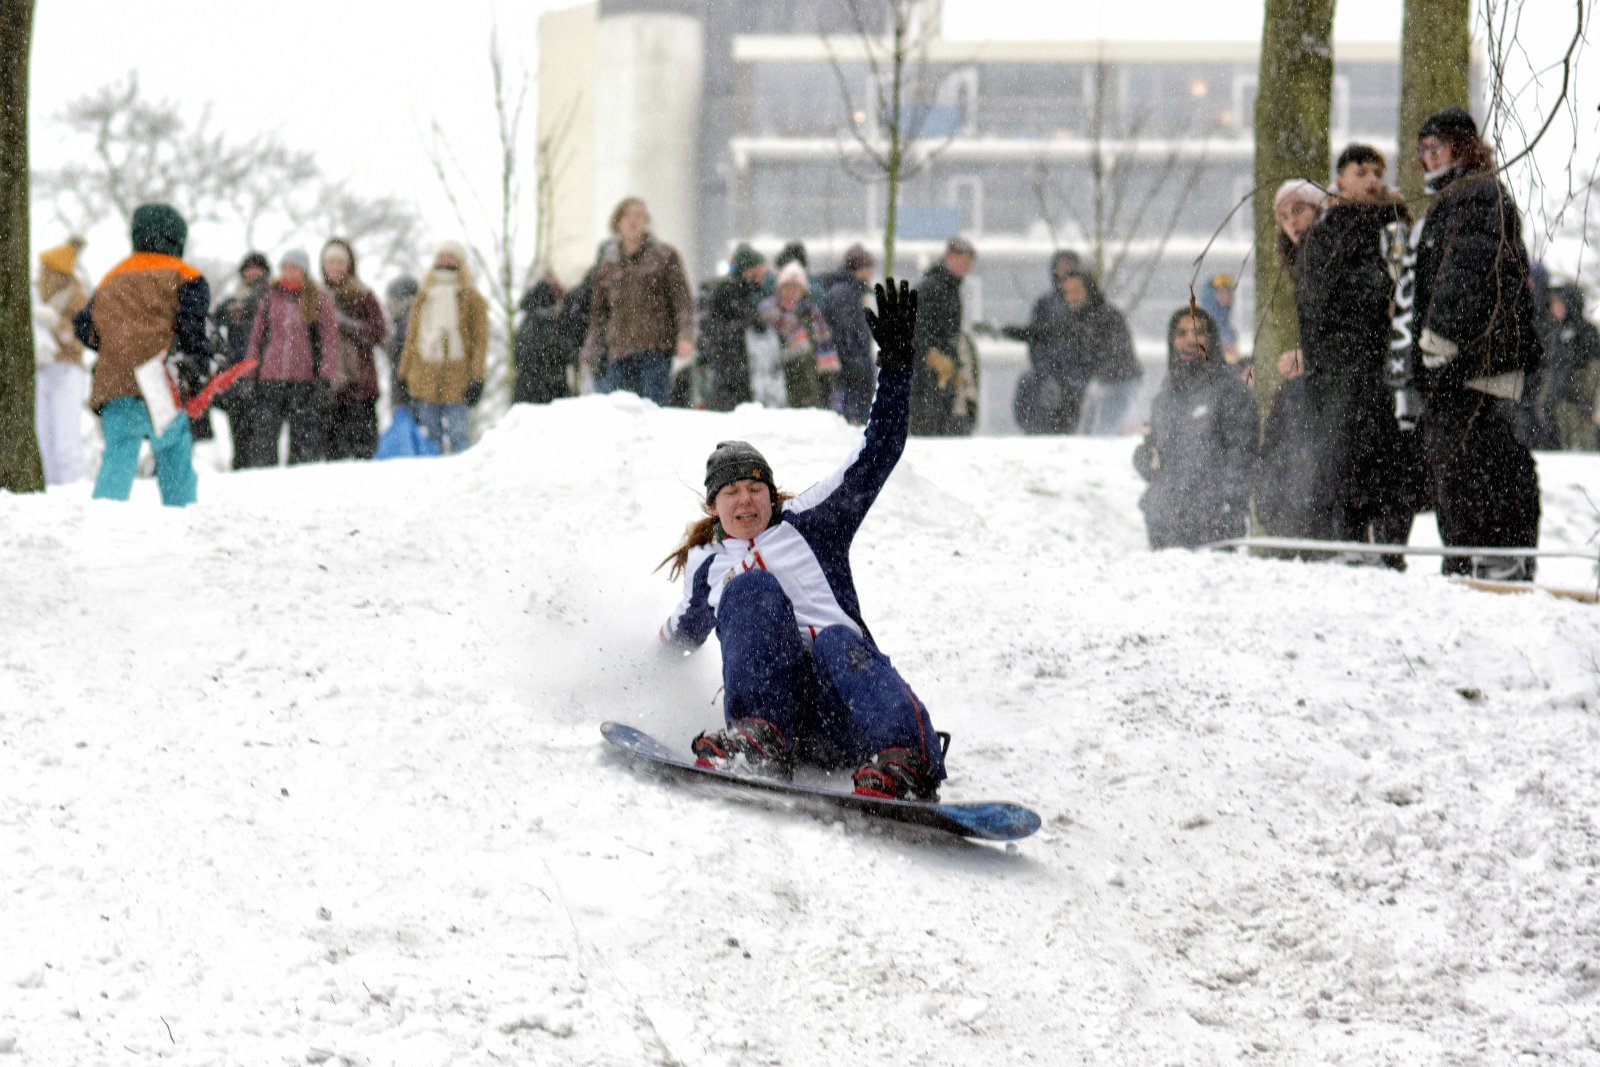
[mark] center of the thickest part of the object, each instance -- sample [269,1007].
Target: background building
[1137,155]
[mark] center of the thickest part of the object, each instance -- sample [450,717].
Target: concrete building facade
[736,121]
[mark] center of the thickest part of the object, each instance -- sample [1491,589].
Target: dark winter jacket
[233,317]
[938,330]
[1472,282]
[1199,455]
[1342,292]
[1570,345]
[1077,345]
[730,310]
[844,308]
[938,311]
[541,348]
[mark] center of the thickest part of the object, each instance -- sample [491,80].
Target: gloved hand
[1436,350]
[894,324]
[402,392]
[474,393]
[191,372]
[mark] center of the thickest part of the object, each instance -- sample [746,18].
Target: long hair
[702,531]
[1471,154]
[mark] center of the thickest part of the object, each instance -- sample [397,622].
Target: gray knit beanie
[733,461]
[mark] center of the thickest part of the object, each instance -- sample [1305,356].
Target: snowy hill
[311,773]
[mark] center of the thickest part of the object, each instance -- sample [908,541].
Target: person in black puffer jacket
[1564,407]
[1072,336]
[1368,479]
[1199,451]
[1468,304]
[543,351]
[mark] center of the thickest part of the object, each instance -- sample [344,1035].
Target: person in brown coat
[642,311]
[446,351]
[353,407]
[150,305]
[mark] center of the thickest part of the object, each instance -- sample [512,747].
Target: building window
[965,194]
[959,90]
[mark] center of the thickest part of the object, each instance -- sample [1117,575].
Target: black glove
[894,324]
[192,371]
[474,393]
[402,392]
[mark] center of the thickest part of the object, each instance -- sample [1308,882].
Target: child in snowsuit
[1199,451]
[151,302]
[803,679]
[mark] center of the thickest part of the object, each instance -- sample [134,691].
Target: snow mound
[311,773]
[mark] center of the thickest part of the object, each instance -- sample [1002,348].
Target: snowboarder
[803,680]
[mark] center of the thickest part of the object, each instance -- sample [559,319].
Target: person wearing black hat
[846,294]
[803,680]
[151,304]
[1465,305]
[230,323]
[933,403]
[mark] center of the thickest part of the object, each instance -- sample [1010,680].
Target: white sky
[357,81]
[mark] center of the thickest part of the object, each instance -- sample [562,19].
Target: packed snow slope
[312,773]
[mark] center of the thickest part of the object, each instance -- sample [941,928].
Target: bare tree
[21,470]
[501,220]
[1294,102]
[1124,207]
[137,151]
[887,127]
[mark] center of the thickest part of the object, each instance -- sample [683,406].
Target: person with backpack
[803,680]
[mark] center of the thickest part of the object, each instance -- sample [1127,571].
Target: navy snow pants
[839,703]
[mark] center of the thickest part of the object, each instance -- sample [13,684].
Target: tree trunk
[897,145]
[1435,41]
[1293,103]
[20,468]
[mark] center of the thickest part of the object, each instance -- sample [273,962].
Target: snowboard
[983,820]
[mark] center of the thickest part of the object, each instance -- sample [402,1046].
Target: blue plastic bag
[404,438]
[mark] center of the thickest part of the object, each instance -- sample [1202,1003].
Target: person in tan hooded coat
[447,343]
[61,385]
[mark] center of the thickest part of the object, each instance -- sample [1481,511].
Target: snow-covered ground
[312,773]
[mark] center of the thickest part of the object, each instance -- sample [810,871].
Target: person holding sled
[803,680]
[152,304]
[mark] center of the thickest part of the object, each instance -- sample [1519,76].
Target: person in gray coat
[1199,450]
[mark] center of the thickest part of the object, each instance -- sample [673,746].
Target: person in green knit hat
[149,304]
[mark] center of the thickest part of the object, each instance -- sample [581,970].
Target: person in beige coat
[61,385]
[446,349]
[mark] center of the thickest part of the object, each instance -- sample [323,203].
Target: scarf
[439,332]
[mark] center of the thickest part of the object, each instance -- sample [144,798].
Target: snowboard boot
[760,743]
[897,774]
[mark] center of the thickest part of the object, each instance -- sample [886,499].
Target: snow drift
[311,773]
